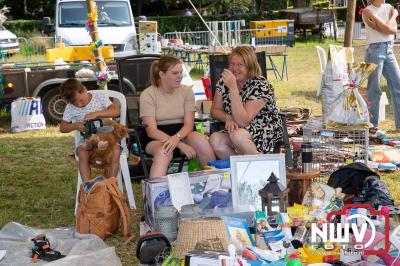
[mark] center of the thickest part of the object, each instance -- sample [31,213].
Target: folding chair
[137,149]
[133,75]
[123,172]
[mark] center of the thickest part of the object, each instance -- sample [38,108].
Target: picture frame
[250,173]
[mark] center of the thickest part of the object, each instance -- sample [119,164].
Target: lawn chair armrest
[137,126]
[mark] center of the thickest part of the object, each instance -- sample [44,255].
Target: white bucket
[164,42]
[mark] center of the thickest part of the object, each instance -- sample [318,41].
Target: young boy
[86,105]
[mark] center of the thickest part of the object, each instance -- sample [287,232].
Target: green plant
[320,3]
[24,28]
[341,13]
[275,5]
[223,6]
[5,116]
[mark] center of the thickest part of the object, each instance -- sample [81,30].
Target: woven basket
[199,231]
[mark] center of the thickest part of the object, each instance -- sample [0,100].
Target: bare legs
[234,143]
[84,166]
[202,146]
[199,142]
[116,152]
[161,160]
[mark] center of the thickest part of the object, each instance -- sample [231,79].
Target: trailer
[44,80]
[308,18]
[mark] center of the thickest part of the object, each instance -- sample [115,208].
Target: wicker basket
[200,232]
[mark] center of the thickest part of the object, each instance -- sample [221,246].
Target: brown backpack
[102,208]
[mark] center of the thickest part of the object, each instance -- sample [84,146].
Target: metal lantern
[274,195]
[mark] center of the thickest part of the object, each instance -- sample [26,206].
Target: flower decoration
[103,77]
[92,18]
[94,45]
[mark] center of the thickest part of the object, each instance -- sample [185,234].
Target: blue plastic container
[220,164]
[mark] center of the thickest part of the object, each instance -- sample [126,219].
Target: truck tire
[53,106]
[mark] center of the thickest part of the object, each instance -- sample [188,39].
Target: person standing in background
[381,28]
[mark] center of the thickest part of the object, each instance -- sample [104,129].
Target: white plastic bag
[27,114]
[349,108]
[335,76]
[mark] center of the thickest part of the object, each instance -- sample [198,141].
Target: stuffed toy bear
[100,145]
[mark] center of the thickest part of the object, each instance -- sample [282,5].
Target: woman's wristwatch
[178,136]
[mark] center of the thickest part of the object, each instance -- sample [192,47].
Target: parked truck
[115,22]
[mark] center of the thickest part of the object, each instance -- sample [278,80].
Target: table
[198,55]
[274,68]
[299,183]
[271,52]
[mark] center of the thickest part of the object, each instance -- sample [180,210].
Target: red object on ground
[207,87]
[248,254]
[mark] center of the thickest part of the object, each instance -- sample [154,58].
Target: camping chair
[218,63]
[322,64]
[133,75]
[124,170]
[137,150]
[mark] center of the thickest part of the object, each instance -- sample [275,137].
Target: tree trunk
[350,16]
[25,9]
[299,3]
[138,8]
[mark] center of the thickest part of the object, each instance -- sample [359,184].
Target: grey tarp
[91,250]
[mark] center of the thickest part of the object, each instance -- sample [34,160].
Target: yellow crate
[270,28]
[77,53]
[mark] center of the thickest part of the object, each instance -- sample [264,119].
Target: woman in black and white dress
[245,101]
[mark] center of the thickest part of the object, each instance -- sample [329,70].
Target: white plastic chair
[123,160]
[322,64]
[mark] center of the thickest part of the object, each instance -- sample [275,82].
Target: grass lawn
[38,175]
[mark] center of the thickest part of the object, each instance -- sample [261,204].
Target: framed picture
[250,173]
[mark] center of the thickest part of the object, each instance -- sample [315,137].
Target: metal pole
[350,17]
[94,34]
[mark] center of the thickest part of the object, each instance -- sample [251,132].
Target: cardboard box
[156,193]
[147,26]
[148,43]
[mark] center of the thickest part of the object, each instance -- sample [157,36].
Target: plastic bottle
[306,157]
[200,127]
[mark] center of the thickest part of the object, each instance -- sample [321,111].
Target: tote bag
[27,114]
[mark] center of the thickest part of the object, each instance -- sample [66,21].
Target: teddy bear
[101,144]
